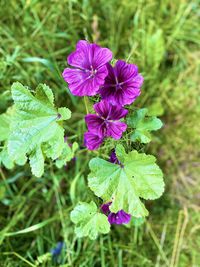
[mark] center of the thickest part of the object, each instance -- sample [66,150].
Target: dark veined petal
[136,82]
[95,124]
[110,111]
[125,71]
[129,95]
[102,108]
[92,141]
[122,84]
[121,217]
[115,129]
[80,82]
[110,79]
[100,56]
[108,124]
[100,76]
[116,112]
[111,95]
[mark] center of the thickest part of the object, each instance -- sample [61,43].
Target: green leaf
[35,126]
[53,149]
[36,160]
[64,113]
[5,158]
[89,222]
[67,155]
[137,177]
[143,125]
[5,119]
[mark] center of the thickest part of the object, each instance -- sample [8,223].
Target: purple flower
[92,141]
[121,217]
[106,123]
[89,72]
[122,85]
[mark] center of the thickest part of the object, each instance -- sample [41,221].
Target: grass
[162,38]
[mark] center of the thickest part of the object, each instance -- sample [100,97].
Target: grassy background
[162,38]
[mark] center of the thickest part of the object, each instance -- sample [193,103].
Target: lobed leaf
[5,120]
[137,177]
[143,125]
[5,159]
[35,130]
[67,154]
[89,222]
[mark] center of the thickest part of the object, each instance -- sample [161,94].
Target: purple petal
[105,207]
[116,112]
[138,81]
[125,71]
[122,84]
[92,141]
[129,95]
[113,158]
[109,111]
[116,129]
[102,108]
[100,76]
[95,124]
[100,56]
[81,83]
[108,123]
[80,58]
[121,217]
[90,70]
[87,55]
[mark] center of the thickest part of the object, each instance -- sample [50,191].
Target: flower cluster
[118,86]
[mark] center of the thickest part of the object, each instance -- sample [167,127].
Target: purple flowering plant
[121,177]
[126,178]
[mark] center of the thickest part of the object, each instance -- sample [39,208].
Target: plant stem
[86,104]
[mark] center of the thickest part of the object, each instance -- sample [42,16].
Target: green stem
[86,104]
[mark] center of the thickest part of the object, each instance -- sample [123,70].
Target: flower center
[118,86]
[92,72]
